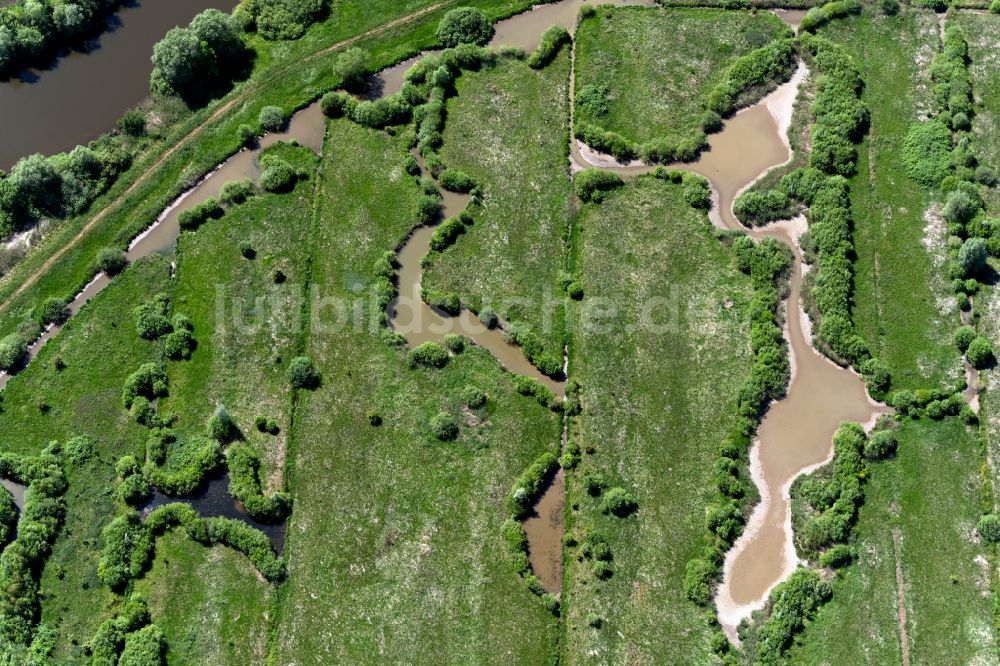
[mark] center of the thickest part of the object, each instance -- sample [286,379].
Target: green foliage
[145,647]
[529,386]
[552,40]
[464,25]
[446,233]
[755,207]
[197,459]
[795,602]
[280,19]
[278,175]
[237,191]
[454,180]
[528,488]
[53,311]
[179,344]
[697,192]
[882,444]
[149,381]
[763,67]
[989,528]
[302,373]
[699,574]
[619,502]
[454,343]
[220,425]
[351,67]
[151,320]
[818,16]
[591,184]
[443,426]
[964,337]
[972,256]
[428,355]
[13,352]
[926,152]
[980,352]
[428,209]
[197,61]
[245,487]
[111,261]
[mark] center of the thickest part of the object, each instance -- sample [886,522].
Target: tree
[111,261]
[220,425]
[959,207]
[278,176]
[133,123]
[36,185]
[12,352]
[972,256]
[980,352]
[272,119]
[179,61]
[302,374]
[964,337]
[53,311]
[218,30]
[464,25]
[352,67]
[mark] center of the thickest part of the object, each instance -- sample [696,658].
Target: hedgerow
[552,40]
[23,559]
[792,604]
[244,486]
[591,184]
[818,16]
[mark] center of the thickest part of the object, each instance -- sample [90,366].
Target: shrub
[111,261]
[698,577]
[591,184]
[529,386]
[754,207]
[149,381]
[428,355]
[179,344]
[964,337]
[144,647]
[488,318]
[53,311]
[464,25]
[151,322]
[244,486]
[767,65]
[220,425]
[454,343]
[446,233]
[989,528]
[443,426]
[795,602]
[454,180]
[302,374]
[12,352]
[593,98]
[889,7]
[278,176]
[696,192]
[428,209]
[237,191]
[980,352]
[530,485]
[552,39]
[959,208]
[337,104]
[272,119]
[986,175]
[381,112]
[836,556]
[351,67]
[133,490]
[880,445]
[473,397]
[926,152]
[972,256]
[619,502]
[246,135]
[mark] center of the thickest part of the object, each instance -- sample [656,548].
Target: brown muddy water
[796,433]
[84,91]
[544,529]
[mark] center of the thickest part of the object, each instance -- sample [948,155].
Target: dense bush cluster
[244,486]
[464,25]
[59,186]
[591,184]
[195,460]
[528,488]
[552,40]
[193,217]
[149,381]
[753,75]
[818,16]
[31,30]
[201,60]
[151,320]
[428,355]
[22,561]
[129,542]
[448,231]
[793,603]
[841,116]
[109,639]
[279,19]
[278,175]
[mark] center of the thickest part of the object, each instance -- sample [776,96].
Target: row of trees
[32,30]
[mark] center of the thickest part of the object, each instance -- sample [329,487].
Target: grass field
[658,65]
[240,360]
[930,495]
[394,546]
[904,306]
[507,128]
[656,405]
[221,620]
